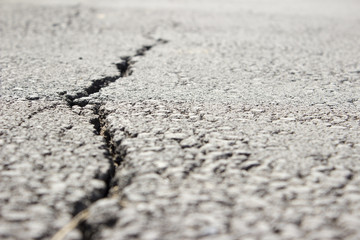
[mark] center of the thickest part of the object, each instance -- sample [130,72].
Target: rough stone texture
[50,50]
[243,126]
[231,54]
[233,172]
[52,166]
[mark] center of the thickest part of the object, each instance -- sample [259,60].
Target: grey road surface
[180,119]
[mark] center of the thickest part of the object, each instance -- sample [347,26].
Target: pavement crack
[37,111]
[113,151]
[99,121]
[81,98]
[101,128]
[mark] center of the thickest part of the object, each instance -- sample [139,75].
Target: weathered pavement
[180,120]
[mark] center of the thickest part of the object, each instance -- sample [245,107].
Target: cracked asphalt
[180,119]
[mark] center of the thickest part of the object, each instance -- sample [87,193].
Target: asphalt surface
[180,120]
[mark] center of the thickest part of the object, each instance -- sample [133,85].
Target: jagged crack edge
[101,128]
[124,68]
[99,122]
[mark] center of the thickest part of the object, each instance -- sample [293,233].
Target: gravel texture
[179,119]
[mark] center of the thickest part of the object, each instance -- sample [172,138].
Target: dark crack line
[124,68]
[38,111]
[113,153]
[101,127]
